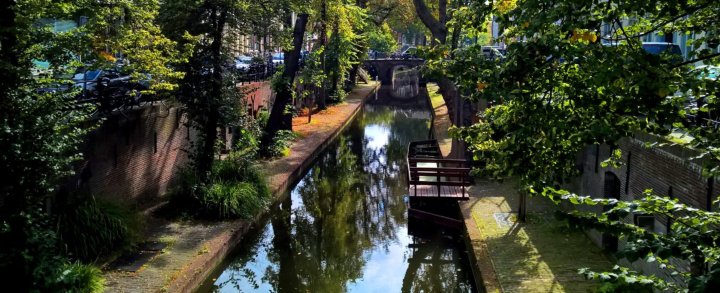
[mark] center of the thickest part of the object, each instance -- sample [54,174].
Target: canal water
[344,225]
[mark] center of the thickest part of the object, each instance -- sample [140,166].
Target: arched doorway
[611,189]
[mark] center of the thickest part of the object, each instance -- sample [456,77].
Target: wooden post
[439,187]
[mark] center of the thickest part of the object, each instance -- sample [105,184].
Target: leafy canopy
[382,40]
[575,74]
[43,126]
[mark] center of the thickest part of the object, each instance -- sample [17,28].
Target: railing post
[437,170]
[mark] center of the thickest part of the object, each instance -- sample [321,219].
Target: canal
[344,225]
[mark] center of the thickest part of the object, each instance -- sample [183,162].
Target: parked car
[659,48]
[101,83]
[410,52]
[696,101]
[710,72]
[243,62]
[87,80]
[492,52]
[258,68]
[278,58]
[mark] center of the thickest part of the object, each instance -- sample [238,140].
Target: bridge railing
[439,177]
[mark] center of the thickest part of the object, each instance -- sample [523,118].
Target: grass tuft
[236,189]
[90,229]
[81,278]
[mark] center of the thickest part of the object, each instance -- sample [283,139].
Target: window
[646,222]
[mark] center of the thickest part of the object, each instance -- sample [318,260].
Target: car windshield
[492,53]
[657,49]
[278,57]
[709,72]
[713,73]
[88,75]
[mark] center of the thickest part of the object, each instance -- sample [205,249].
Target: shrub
[262,118]
[91,228]
[281,145]
[184,193]
[77,277]
[36,264]
[382,40]
[237,189]
[225,200]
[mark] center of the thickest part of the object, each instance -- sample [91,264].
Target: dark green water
[344,226]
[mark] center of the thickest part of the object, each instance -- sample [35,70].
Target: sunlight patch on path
[541,255]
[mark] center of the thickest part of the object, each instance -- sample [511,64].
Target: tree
[381,39]
[43,125]
[338,49]
[208,90]
[575,75]
[440,30]
[346,45]
[280,118]
[397,13]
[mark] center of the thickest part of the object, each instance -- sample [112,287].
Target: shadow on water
[344,225]
[418,103]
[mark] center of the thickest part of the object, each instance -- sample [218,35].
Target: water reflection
[344,225]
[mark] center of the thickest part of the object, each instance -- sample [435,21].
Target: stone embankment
[195,248]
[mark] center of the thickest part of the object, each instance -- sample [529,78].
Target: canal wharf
[435,184]
[430,175]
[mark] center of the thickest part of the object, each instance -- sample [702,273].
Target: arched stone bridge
[384,68]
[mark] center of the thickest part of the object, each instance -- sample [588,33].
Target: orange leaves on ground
[328,118]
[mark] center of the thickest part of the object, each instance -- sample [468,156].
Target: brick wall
[136,156]
[259,94]
[667,170]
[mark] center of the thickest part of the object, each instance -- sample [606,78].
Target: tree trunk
[352,76]
[439,32]
[522,206]
[437,28]
[283,243]
[9,57]
[322,97]
[13,264]
[279,119]
[206,153]
[335,75]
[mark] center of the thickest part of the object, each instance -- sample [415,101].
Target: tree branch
[706,57]
[661,24]
[438,29]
